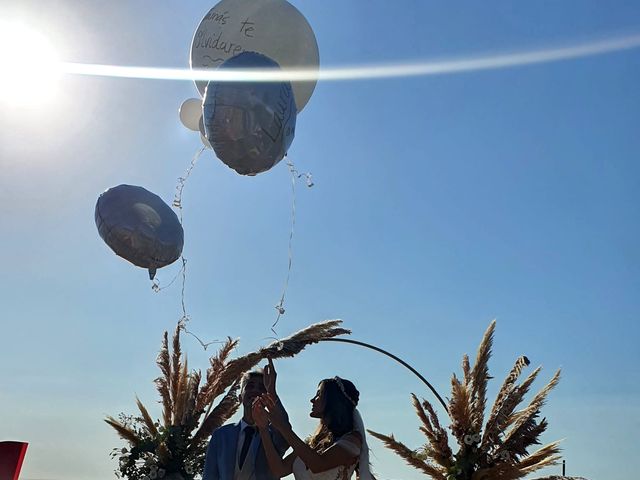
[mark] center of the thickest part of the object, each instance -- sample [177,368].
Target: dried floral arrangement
[497,449]
[175,447]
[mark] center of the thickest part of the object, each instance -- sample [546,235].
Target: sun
[29,66]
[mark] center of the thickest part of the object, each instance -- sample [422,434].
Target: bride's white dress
[300,471]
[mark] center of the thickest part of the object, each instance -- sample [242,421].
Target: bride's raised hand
[259,413]
[269,378]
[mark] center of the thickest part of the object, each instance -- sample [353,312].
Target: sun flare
[29,66]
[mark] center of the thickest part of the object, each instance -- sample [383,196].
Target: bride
[336,449]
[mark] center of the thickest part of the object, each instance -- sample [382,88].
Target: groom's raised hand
[269,377]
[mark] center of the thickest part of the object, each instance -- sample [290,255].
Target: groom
[235,451]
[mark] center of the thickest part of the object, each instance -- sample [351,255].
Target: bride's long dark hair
[337,416]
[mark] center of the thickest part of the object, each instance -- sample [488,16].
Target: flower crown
[338,380]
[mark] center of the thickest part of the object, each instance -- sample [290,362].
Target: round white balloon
[274,28]
[190,113]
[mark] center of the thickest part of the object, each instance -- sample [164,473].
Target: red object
[11,457]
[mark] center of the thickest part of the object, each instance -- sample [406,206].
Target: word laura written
[279,113]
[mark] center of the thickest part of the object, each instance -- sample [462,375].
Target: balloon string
[155,286]
[295,175]
[177,203]
[177,200]
[182,323]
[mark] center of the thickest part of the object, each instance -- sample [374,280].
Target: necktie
[248,436]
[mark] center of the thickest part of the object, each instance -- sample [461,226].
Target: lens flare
[361,72]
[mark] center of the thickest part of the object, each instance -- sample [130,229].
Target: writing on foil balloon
[250,125]
[139,227]
[274,28]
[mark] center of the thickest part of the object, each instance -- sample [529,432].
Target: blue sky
[439,204]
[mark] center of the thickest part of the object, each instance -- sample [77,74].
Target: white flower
[189,470]
[161,472]
[468,439]
[476,438]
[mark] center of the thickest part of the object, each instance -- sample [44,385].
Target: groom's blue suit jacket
[220,462]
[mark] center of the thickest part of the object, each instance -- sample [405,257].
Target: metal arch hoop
[397,359]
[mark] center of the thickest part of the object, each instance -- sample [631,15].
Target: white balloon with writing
[274,28]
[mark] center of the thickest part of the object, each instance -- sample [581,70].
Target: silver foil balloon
[250,125]
[139,227]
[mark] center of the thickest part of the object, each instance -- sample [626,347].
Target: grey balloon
[250,125]
[139,227]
